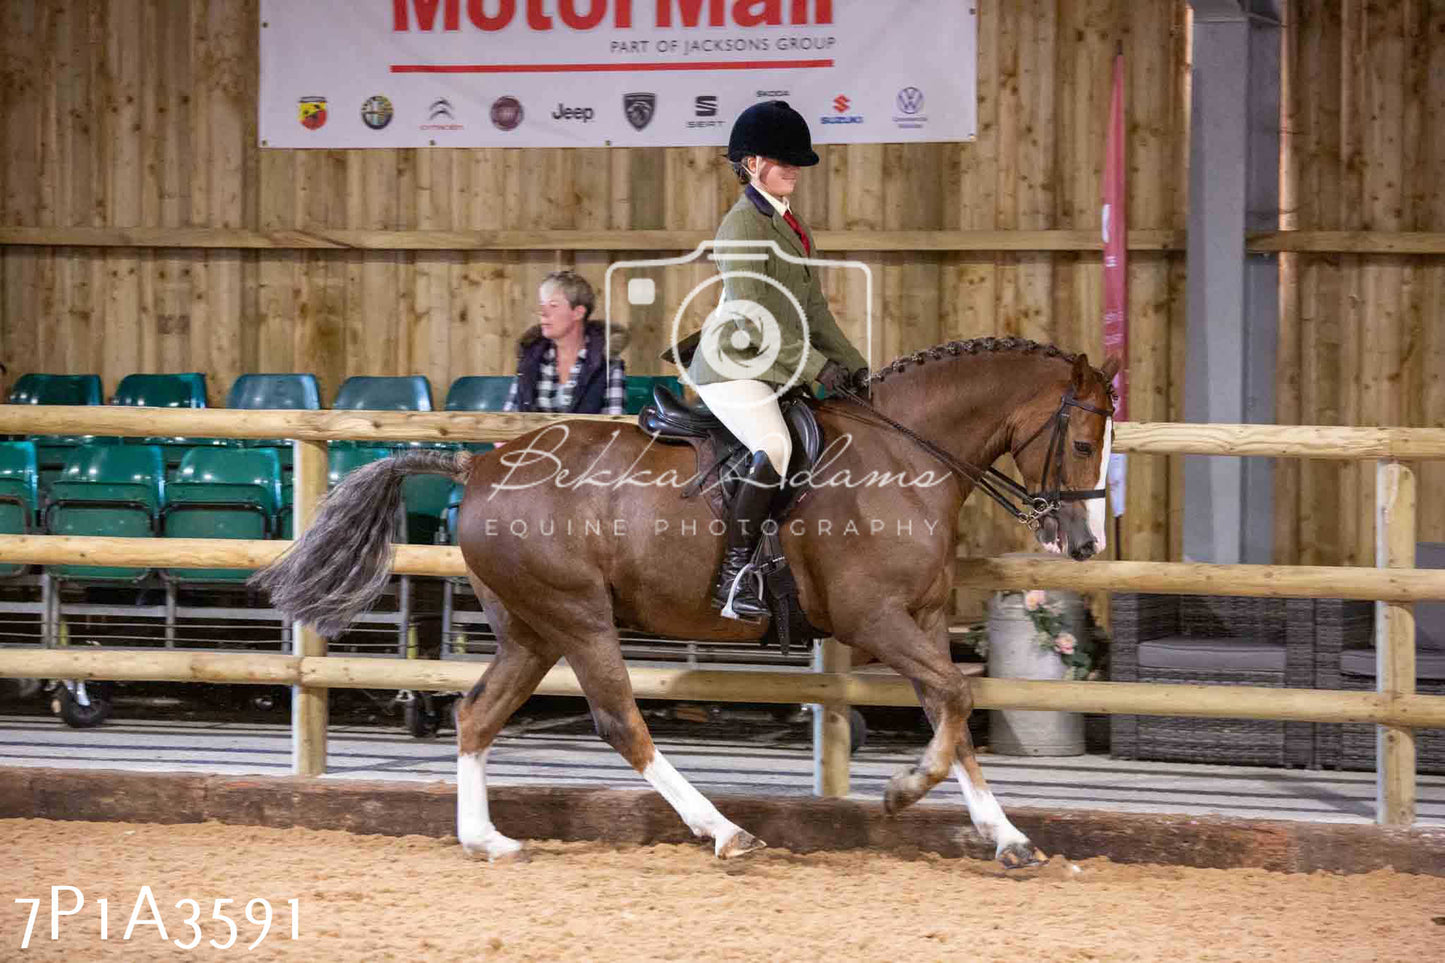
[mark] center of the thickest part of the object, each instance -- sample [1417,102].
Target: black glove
[835,378]
[860,380]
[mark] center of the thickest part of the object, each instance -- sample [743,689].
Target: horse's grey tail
[340,565]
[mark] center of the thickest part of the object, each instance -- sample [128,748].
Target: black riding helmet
[772,129]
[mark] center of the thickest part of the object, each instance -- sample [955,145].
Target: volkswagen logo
[910,100]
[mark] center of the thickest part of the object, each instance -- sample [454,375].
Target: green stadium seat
[479,393]
[110,490]
[372,393]
[379,393]
[186,390]
[223,493]
[271,392]
[424,497]
[639,390]
[274,392]
[19,495]
[454,504]
[56,389]
[342,461]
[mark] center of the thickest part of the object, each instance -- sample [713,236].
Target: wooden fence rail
[1181,578]
[1396,708]
[835,686]
[226,238]
[1152,438]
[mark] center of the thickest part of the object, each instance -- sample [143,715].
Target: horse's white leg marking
[700,815]
[987,815]
[1097,506]
[474,823]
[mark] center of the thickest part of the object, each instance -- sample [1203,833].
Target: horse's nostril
[1086,550]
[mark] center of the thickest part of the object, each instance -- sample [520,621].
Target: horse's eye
[1084,448]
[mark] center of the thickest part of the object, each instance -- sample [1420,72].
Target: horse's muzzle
[1084,552]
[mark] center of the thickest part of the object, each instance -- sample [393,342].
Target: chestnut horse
[574,529]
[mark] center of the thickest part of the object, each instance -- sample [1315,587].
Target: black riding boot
[749,510]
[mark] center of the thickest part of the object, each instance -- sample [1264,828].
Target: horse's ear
[1111,368]
[1081,372]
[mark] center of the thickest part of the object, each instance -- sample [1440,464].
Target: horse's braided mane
[978,346]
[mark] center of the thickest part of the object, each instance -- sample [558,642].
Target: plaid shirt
[552,396]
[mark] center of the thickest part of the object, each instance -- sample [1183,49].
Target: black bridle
[1032,507]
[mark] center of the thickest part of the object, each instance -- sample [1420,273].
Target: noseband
[1030,508]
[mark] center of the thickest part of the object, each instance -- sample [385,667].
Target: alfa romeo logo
[376,112]
[639,109]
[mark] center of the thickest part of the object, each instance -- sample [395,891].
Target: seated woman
[567,341]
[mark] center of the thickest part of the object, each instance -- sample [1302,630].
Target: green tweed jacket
[753,218]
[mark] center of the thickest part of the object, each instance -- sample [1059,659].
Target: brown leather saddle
[722,460]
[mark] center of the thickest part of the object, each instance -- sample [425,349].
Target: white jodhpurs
[750,412]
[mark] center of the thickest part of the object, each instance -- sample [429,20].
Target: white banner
[595,73]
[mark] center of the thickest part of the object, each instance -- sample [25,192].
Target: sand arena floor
[419,898]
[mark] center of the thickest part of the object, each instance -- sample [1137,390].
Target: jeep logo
[563,112]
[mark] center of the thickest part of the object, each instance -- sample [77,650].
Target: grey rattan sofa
[1212,640]
[1345,659]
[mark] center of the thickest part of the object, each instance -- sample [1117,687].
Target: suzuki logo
[841,103]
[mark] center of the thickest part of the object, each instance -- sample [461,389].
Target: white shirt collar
[781,206]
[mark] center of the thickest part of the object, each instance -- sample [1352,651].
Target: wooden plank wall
[142,113]
[1362,338]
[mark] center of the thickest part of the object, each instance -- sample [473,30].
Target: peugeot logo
[440,108]
[910,100]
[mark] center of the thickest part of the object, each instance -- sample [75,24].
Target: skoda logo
[910,100]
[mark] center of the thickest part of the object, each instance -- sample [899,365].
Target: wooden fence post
[1394,643]
[309,708]
[832,725]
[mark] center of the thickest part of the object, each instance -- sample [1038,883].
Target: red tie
[798,229]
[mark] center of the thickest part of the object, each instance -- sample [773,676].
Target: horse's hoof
[903,791]
[1021,855]
[739,843]
[495,850]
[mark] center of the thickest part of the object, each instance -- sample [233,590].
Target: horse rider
[731,369]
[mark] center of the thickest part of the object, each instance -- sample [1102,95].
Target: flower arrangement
[1047,617]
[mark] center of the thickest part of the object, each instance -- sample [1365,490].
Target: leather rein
[1031,508]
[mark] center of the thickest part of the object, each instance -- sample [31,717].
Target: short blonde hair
[574,288]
